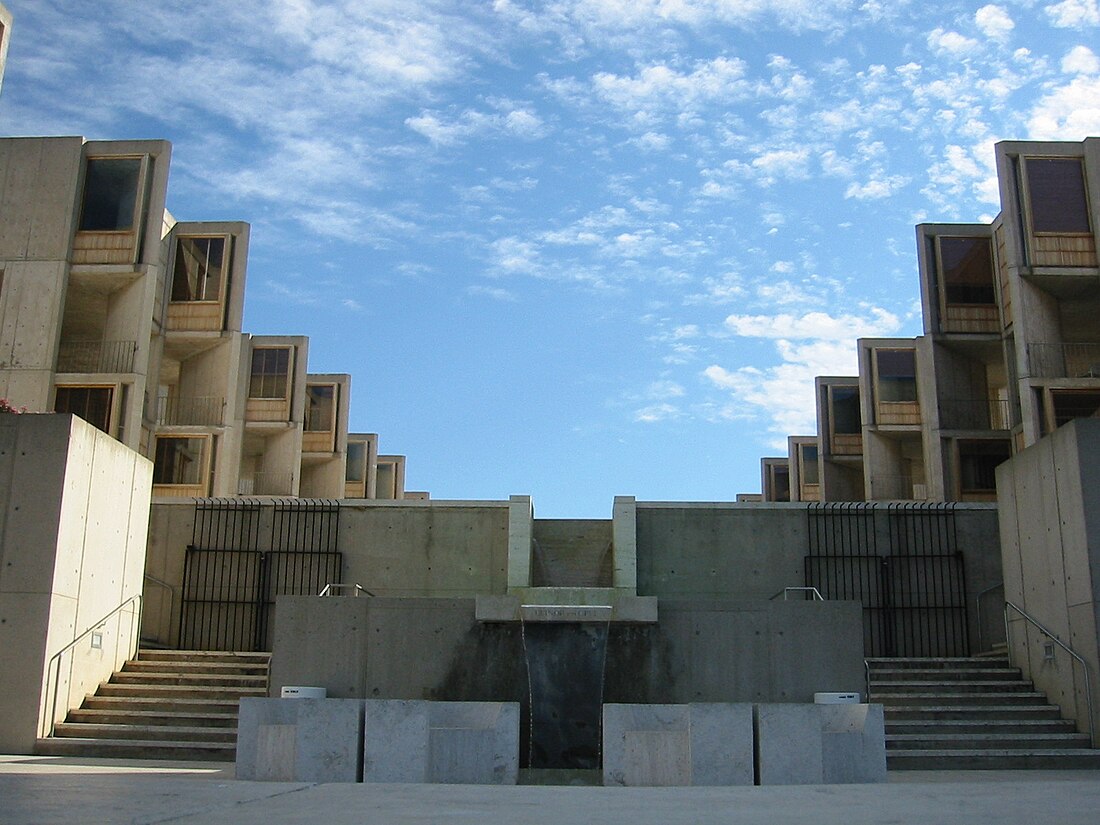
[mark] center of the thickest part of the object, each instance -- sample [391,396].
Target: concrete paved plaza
[46,790]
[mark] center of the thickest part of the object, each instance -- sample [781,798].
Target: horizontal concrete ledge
[956,506]
[568,604]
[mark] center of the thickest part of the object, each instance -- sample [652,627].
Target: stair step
[205,655]
[179,691]
[946,663]
[910,674]
[86,730]
[994,759]
[985,741]
[960,686]
[127,714]
[137,749]
[937,727]
[975,712]
[126,677]
[256,669]
[167,704]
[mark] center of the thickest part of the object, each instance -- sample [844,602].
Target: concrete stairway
[166,704]
[971,714]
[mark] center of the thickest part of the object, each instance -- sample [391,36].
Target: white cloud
[495,293]
[1072,14]
[1070,112]
[519,123]
[994,22]
[814,325]
[1081,60]
[876,188]
[660,86]
[949,42]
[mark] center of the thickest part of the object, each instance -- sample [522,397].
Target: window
[93,404]
[978,462]
[808,459]
[966,266]
[199,270]
[897,375]
[1056,195]
[845,415]
[320,408]
[110,194]
[270,370]
[1071,404]
[356,468]
[780,482]
[178,460]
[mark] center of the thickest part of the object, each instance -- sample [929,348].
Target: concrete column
[521,516]
[624,544]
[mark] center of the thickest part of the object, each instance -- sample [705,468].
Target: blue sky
[571,249]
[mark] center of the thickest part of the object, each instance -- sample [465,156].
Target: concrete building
[112,310]
[1010,350]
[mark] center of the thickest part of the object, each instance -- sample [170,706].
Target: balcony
[201,411]
[1063,360]
[96,356]
[266,484]
[974,414]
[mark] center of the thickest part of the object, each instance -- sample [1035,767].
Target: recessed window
[1071,404]
[978,461]
[808,457]
[178,460]
[966,265]
[356,468]
[110,194]
[844,405]
[897,375]
[1056,195]
[781,482]
[200,269]
[93,404]
[320,408]
[270,372]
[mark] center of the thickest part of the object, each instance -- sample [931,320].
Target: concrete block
[300,740]
[801,744]
[690,744]
[473,743]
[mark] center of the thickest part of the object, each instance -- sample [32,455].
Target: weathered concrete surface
[473,743]
[819,744]
[666,745]
[37,791]
[1050,538]
[300,740]
[72,548]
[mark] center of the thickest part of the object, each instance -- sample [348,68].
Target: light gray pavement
[46,790]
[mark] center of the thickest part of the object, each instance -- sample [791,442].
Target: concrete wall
[74,509]
[752,551]
[699,651]
[1050,538]
[438,548]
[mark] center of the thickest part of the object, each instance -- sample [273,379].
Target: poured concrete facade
[73,524]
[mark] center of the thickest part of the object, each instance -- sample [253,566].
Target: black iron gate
[230,583]
[914,595]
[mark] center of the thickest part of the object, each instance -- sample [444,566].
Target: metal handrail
[135,633]
[171,588]
[1066,648]
[816,598]
[978,611]
[339,586]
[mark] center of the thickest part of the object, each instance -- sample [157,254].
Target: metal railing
[131,651]
[172,591]
[1063,360]
[975,414]
[96,356]
[202,410]
[330,588]
[813,592]
[1073,654]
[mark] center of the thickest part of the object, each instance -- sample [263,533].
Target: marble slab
[441,742]
[689,744]
[299,740]
[820,744]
